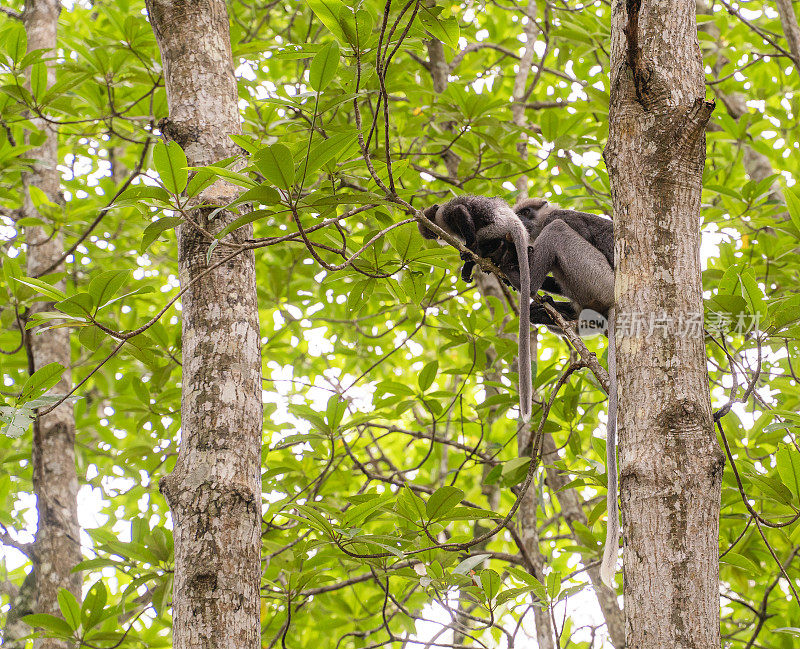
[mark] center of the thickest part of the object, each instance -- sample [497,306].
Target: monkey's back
[595,229]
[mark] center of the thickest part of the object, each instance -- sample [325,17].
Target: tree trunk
[572,511]
[214,490]
[790,29]
[670,463]
[57,549]
[528,532]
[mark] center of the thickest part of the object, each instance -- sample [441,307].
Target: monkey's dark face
[527,212]
[430,213]
[530,207]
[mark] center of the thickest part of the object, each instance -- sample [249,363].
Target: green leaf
[515,470]
[139,291]
[537,588]
[328,13]
[553,584]
[51,623]
[234,177]
[276,164]
[244,219]
[427,375]
[41,381]
[14,422]
[43,287]
[202,179]
[93,605]
[789,469]
[411,506]
[570,591]
[40,200]
[442,502]
[91,337]
[793,205]
[15,41]
[358,515]
[323,151]
[753,293]
[317,520]
[104,286]
[11,272]
[263,194]
[324,66]
[38,79]
[171,165]
[70,608]
[155,229]
[80,305]
[470,563]
[334,412]
[446,30]
[741,562]
[510,593]
[471,514]
[549,125]
[490,582]
[139,193]
[357,26]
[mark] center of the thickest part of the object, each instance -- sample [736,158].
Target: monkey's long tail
[524,360]
[609,566]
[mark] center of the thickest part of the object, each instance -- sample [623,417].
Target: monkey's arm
[506,260]
[504,256]
[457,219]
[551,286]
[487,248]
[539,314]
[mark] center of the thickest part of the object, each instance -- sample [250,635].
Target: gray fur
[578,249]
[479,221]
[611,550]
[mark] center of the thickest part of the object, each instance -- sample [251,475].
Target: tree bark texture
[56,550]
[790,29]
[670,462]
[214,491]
[522,91]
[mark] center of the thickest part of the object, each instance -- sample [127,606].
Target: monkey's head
[430,214]
[530,207]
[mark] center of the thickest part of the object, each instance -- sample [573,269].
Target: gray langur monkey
[577,248]
[483,225]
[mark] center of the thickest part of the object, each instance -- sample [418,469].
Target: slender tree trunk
[528,531]
[522,92]
[214,491]
[56,550]
[440,71]
[572,511]
[670,463]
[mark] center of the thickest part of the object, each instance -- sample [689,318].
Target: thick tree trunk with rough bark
[56,550]
[214,491]
[670,463]
[791,30]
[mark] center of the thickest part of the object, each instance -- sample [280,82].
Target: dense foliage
[389,385]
